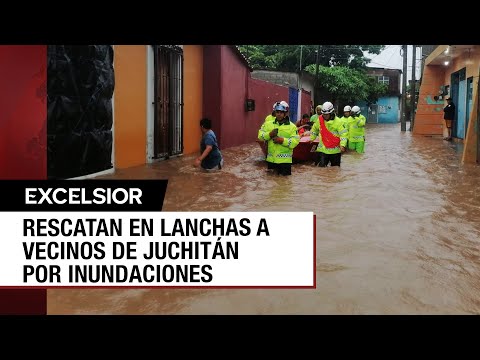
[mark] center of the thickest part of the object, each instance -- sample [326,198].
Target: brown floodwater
[398,231]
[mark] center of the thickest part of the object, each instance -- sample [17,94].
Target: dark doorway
[80,85]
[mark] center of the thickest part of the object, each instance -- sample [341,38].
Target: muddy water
[398,232]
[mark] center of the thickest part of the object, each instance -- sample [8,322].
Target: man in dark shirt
[448,116]
[210,155]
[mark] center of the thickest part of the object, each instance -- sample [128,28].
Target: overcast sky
[391,58]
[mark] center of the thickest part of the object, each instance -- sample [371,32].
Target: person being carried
[304,125]
[448,116]
[210,155]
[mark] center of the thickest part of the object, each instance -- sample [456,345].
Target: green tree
[347,85]
[287,57]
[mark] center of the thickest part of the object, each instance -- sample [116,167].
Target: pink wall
[212,99]
[233,87]
[265,94]
[306,105]
[227,84]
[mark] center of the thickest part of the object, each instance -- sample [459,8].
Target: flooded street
[398,231]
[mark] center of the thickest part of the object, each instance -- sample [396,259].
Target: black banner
[83,195]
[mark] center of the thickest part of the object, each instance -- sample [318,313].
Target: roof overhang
[445,54]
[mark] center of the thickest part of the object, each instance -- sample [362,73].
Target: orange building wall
[429,118]
[429,115]
[130,101]
[192,97]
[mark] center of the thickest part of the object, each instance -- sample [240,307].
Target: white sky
[391,58]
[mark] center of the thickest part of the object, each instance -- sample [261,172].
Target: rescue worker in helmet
[332,136]
[285,104]
[347,118]
[356,131]
[282,137]
[271,117]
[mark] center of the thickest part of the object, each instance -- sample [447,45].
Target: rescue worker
[356,131]
[332,136]
[271,117]
[282,137]
[314,117]
[285,104]
[347,118]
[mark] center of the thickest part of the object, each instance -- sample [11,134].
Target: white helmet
[356,110]
[284,103]
[275,104]
[347,108]
[327,108]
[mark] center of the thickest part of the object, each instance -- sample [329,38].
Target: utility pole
[299,85]
[315,87]
[404,89]
[422,63]
[300,70]
[301,48]
[413,90]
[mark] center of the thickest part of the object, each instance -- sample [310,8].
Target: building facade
[387,108]
[451,71]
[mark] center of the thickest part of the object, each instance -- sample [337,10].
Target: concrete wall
[308,84]
[130,105]
[192,97]
[277,77]
[292,79]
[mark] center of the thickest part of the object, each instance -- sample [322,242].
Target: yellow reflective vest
[280,153]
[337,128]
[356,130]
